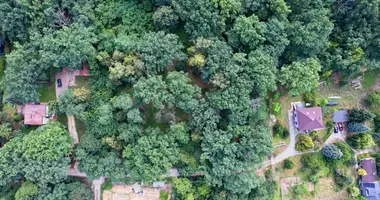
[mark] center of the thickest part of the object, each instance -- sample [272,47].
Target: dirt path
[72,128]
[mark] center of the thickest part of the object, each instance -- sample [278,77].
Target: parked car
[340,125]
[335,129]
[59,82]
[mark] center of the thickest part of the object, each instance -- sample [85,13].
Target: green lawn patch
[47,90]
[285,101]
[369,78]
[30,128]
[107,185]
[47,93]
[82,81]
[164,195]
[62,118]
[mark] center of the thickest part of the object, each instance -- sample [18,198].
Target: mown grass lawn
[47,91]
[164,195]
[82,81]
[369,78]
[62,118]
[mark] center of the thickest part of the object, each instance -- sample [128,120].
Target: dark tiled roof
[369,165]
[309,118]
[341,116]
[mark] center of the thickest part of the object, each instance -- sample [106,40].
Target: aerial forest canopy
[174,83]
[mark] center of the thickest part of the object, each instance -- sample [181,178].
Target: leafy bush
[361,141]
[376,122]
[311,97]
[314,134]
[323,102]
[377,158]
[107,185]
[330,124]
[332,152]
[280,131]
[355,127]
[364,155]
[276,96]
[313,162]
[376,138]
[354,191]
[276,108]
[285,134]
[374,99]
[342,179]
[360,115]
[288,164]
[304,143]
[27,190]
[348,154]
[300,191]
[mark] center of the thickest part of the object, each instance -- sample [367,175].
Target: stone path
[290,151]
[72,128]
[96,187]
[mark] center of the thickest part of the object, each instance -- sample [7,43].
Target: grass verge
[164,195]
[369,78]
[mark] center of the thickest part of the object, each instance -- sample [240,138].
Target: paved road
[96,187]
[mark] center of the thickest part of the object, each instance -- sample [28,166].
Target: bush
[364,155]
[376,138]
[323,102]
[285,134]
[374,99]
[360,115]
[332,152]
[341,179]
[343,83]
[107,185]
[361,141]
[288,164]
[18,117]
[314,134]
[304,143]
[376,122]
[313,162]
[377,158]
[311,97]
[354,191]
[355,127]
[280,131]
[300,191]
[276,108]
[276,96]
[348,154]
[330,124]
[27,189]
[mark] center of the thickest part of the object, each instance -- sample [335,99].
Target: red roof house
[308,119]
[34,114]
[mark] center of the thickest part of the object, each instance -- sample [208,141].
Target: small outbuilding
[34,113]
[341,116]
